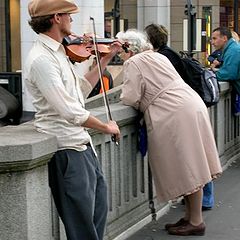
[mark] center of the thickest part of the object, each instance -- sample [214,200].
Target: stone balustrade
[26,208]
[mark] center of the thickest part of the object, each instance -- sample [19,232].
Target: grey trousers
[80,193]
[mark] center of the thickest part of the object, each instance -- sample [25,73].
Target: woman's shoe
[181,222]
[188,229]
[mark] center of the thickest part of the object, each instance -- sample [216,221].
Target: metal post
[116,16]
[189,4]
[115,13]
[236,5]
[191,26]
[8,36]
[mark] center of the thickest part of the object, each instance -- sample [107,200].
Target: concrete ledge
[23,148]
[120,112]
[224,86]
[17,166]
[113,96]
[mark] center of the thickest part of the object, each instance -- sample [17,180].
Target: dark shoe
[188,229]
[181,222]
[206,208]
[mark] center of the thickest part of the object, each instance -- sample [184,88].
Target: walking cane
[106,103]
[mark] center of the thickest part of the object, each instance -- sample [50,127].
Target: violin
[79,49]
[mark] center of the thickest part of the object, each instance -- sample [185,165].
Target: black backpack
[201,79]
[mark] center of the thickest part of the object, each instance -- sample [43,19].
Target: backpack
[201,79]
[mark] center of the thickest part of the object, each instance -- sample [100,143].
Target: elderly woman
[158,37]
[182,150]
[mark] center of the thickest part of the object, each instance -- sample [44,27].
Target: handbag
[142,130]
[142,136]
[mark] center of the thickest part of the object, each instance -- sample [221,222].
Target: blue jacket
[230,69]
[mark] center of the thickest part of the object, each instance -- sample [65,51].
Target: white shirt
[58,94]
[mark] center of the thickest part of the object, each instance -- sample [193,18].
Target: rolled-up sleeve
[53,90]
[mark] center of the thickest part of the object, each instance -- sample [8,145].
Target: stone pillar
[25,212]
[81,21]
[151,11]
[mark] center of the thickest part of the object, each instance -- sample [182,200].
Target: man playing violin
[75,176]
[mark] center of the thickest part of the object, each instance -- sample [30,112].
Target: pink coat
[181,146]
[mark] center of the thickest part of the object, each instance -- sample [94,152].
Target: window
[10,36]
[227,14]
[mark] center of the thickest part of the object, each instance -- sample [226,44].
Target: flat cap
[37,8]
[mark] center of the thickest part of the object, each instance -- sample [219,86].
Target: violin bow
[105,99]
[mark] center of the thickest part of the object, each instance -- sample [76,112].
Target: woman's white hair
[137,40]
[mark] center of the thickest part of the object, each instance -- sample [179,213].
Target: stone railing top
[224,86]
[22,147]
[113,96]
[120,113]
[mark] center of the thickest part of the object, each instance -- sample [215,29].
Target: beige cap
[37,8]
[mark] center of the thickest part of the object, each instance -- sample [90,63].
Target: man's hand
[214,64]
[112,128]
[108,128]
[115,48]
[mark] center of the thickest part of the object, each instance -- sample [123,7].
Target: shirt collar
[49,42]
[230,42]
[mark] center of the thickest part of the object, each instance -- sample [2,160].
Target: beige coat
[181,146]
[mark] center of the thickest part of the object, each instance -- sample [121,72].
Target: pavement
[223,221]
